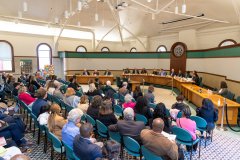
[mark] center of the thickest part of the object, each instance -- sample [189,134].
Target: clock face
[178,50]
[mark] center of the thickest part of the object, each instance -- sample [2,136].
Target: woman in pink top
[24,96]
[188,125]
[128,102]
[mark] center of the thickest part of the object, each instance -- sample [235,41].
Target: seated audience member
[144,71]
[127,126]
[96,73]
[142,107]
[157,143]
[71,128]
[15,89]
[154,72]
[57,91]
[96,82]
[83,147]
[107,73]
[106,115]
[92,90]
[20,157]
[31,83]
[108,90]
[50,87]
[161,112]
[179,105]
[43,115]
[172,73]
[41,101]
[128,102]
[188,75]
[126,71]
[180,74]
[24,96]
[56,121]
[123,91]
[195,78]
[223,89]
[84,103]
[23,77]
[149,95]
[162,73]
[186,123]
[13,128]
[137,92]
[135,71]
[71,98]
[93,109]
[207,112]
[73,84]
[86,72]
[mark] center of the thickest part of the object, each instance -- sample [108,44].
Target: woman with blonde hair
[106,115]
[50,87]
[84,103]
[92,90]
[71,98]
[56,121]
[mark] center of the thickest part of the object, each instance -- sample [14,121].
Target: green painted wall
[223,52]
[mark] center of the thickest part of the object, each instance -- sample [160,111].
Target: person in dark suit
[107,73]
[86,72]
[96,73]
[172,73]
[223,89]
[179,104]
[195,78]
[73,84]
[128,127]
[188,75]
[154,72]
[144,71]
[135,71]
[126,71]
[180,74]
[162,73]
[83,146]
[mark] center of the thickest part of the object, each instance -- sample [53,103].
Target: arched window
[6,56]
[133,49]
[227,42]
[105,49]
[44,55]
[162,48]
[81,48]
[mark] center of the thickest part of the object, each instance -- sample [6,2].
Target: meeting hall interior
[119,79]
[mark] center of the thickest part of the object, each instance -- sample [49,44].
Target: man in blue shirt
[83,147]
[71,129]
[41,101]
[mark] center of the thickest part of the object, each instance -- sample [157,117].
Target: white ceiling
[136,18]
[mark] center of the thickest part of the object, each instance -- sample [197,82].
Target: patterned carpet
[225,146]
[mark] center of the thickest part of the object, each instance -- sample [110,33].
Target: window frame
[82,47]
[38,56]
[12,52]
[231,40]
[160,47]
[105,51]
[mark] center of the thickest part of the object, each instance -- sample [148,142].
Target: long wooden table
[155,79]
[85,79]
[196,94]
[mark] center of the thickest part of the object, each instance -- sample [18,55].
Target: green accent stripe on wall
[225,52]
[114,55]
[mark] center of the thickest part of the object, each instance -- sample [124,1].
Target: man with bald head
[83,147]
[157,143]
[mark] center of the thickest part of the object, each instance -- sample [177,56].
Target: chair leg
[51,151]
[191,152]
[39,131]
[206,140]
[45,142]
[34,129]
[30,126]
[211,135]
[199,148]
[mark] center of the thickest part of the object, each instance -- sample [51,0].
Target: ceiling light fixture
[66,14]
[184,7]
[176,8]
[79,5]
[149,1]
[25,6]
[96,17]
